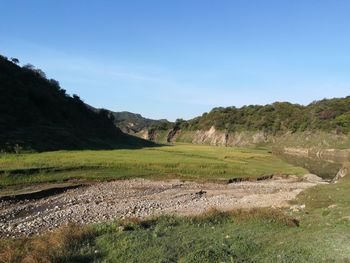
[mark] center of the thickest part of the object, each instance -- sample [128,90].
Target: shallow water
[326,168]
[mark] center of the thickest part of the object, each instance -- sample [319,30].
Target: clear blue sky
[178,59]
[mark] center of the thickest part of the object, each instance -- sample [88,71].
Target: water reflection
[326,167]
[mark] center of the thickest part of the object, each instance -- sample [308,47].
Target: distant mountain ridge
[134,123]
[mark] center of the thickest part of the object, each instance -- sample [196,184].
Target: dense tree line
[327,115]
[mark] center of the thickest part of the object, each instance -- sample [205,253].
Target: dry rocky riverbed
[99,202]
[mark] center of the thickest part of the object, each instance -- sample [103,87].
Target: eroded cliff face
[212,137]
[144,134]
[302,144]
[172,135]
[224,138]
[209,137]
[148,134]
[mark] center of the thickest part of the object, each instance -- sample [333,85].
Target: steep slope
[35,113]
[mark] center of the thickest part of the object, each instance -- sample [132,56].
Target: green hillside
[37,114]
[279,117]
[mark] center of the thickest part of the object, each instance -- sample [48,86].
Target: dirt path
[140,198]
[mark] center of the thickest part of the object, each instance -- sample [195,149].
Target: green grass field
[190,162]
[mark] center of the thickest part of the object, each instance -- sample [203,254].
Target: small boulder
[292,176]
[297,208]
[312,178]
[201,192]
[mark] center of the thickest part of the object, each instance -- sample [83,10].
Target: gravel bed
[140,198]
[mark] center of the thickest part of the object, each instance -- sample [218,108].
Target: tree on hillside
[15,60]
[40,72]
[29,66]
[54,83]
[76,97]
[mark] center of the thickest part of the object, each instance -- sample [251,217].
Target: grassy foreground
[191,162]
[320,233]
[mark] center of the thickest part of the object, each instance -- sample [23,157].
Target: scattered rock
[312,178]
[140,198]
[201,192]
[297,208]
[293,177]
[341,173]
[332,206]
